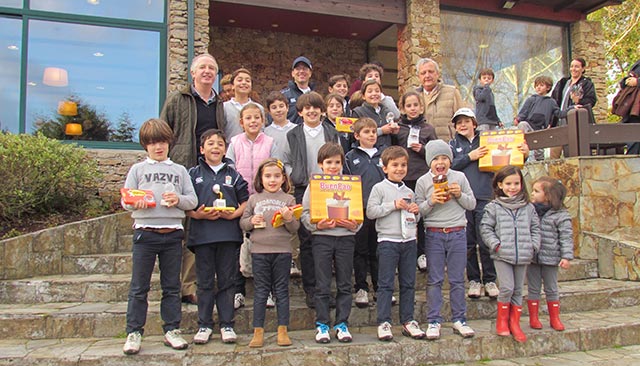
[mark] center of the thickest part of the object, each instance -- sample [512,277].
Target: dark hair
[367,83]
[487,71]
[328,150]
[335,78]
[403,98]
[210,133]
[311,99]
[581,60]
[543,79]
[502,174]
[392,153]
[554,190]
[238,71]
[363,122]
[155,130]
[367,68]
[275,96]
[257,180]
[335,96]
[356,100]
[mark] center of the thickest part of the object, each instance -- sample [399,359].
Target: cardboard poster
[503,149]
[344,124]
[336,197]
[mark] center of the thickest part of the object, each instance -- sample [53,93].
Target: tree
[95,126]
[124,131]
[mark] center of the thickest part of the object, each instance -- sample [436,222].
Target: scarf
[512,203]
[412,122]
[541,209]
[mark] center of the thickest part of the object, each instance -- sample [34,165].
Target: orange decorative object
[73,129]
[67,108]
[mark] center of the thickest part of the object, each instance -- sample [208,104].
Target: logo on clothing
[227,180]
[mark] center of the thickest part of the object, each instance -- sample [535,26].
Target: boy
[485,102]
[375,72]
[365,162]
[392,206]
[214,236]
[339,84]
[443,210]
[158,231]
[466,149]
[277,109]
[333,243]
[300,158]
[538,111]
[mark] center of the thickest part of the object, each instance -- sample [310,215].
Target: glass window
[11,3]
[110,73]
[517,51]
[149,10]
[10,43]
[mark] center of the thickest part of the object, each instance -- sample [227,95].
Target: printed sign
[503,149]
[344,124]
[336,197]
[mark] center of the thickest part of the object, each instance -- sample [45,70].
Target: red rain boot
[502,322]
[514,324]
[554,315]
[534,321]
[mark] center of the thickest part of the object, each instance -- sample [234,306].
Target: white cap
[468,112]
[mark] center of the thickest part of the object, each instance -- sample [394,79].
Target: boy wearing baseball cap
[301,71]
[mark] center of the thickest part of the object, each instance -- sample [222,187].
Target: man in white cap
[301,70]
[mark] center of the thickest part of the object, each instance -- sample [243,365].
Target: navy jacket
[480,181]
[366,110]
[292,93]
[358,162]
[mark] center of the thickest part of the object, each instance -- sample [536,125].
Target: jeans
[326,250]
[511,279]
[216,260]
[306,250]
[392,255]
[168,248]
[271,272]
[536,275]
[474,239]
[446,250]
[364,256]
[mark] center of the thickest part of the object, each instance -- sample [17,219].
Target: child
[339,84]
[215,236]
[364,161]
[538,111]
[373,109]
[242,93]
[375,72]
[303,143]
[413,135]
[485,102]
[270,246]
[158,232]
[335,108]
[392,206]
[333,241]
[445,243]
[556,249]
[511,230]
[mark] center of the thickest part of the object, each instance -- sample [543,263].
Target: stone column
[587,41]
[419,38]
[177,62]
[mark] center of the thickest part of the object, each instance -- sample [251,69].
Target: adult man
[301,71]
[190,112]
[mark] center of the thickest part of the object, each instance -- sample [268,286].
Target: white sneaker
[228,335]
[475,289]
[491,290]
[271,302]
[384,332]
[342,333]
[203,336]
[393,300]
[422,263]
[132,345]
[174,340]
[412,329]
[463,329]
[322,333]
[433,331]
[238,301]
[295,272]
[362,299]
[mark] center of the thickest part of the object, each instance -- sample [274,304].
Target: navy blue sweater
[480,181]
[358,162]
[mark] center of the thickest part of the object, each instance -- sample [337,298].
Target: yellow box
[336,197]
[503,149]
[344,124]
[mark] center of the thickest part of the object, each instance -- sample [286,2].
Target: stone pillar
[177,62]
[587,41]
[419,38]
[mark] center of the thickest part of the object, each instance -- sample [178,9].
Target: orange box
[344,124]
[503,149]
[336,197]
[277,221]
[130,196]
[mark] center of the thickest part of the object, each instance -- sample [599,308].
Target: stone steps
[77,319]
[588,330]
[104,278]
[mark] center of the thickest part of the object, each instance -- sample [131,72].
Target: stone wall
[268,55]
[114,165]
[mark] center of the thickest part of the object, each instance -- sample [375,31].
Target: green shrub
[42,176]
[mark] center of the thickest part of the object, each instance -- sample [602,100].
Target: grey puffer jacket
[557,238]
[513,236]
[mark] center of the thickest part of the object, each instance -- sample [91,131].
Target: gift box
[130,196]
[344,124]
[503,149]
[277,220]
[336,197]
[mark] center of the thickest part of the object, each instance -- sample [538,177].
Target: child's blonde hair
[363,122]
[257,180]
[553,190]
[249,107]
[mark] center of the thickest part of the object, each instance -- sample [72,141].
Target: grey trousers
[536,275]
[511,281]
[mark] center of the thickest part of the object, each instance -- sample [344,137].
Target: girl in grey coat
[511,230]
[556,249]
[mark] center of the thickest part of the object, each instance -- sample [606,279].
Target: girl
[335,108]
[242,96]
[511,230]
[371,92]
[556,249]
[271,246]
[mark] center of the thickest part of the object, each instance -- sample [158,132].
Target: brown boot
[554,315]
[283,337]
[502,322]
[258,338]
[534,321]
[514,324]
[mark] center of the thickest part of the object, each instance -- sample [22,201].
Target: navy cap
[302,59]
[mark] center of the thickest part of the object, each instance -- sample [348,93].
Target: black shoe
[190,299]
[309,299]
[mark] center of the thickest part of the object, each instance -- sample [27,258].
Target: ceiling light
[231,21]
[509,4]
[13,47]
[31,83]
[98,54]
[275,25]
[100,87]
[55,76]
[355,34]
[315,30]
[94,2]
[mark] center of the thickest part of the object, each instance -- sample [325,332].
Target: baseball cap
[302,59]
[467,112]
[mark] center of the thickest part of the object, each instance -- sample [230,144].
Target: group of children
[237,190]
